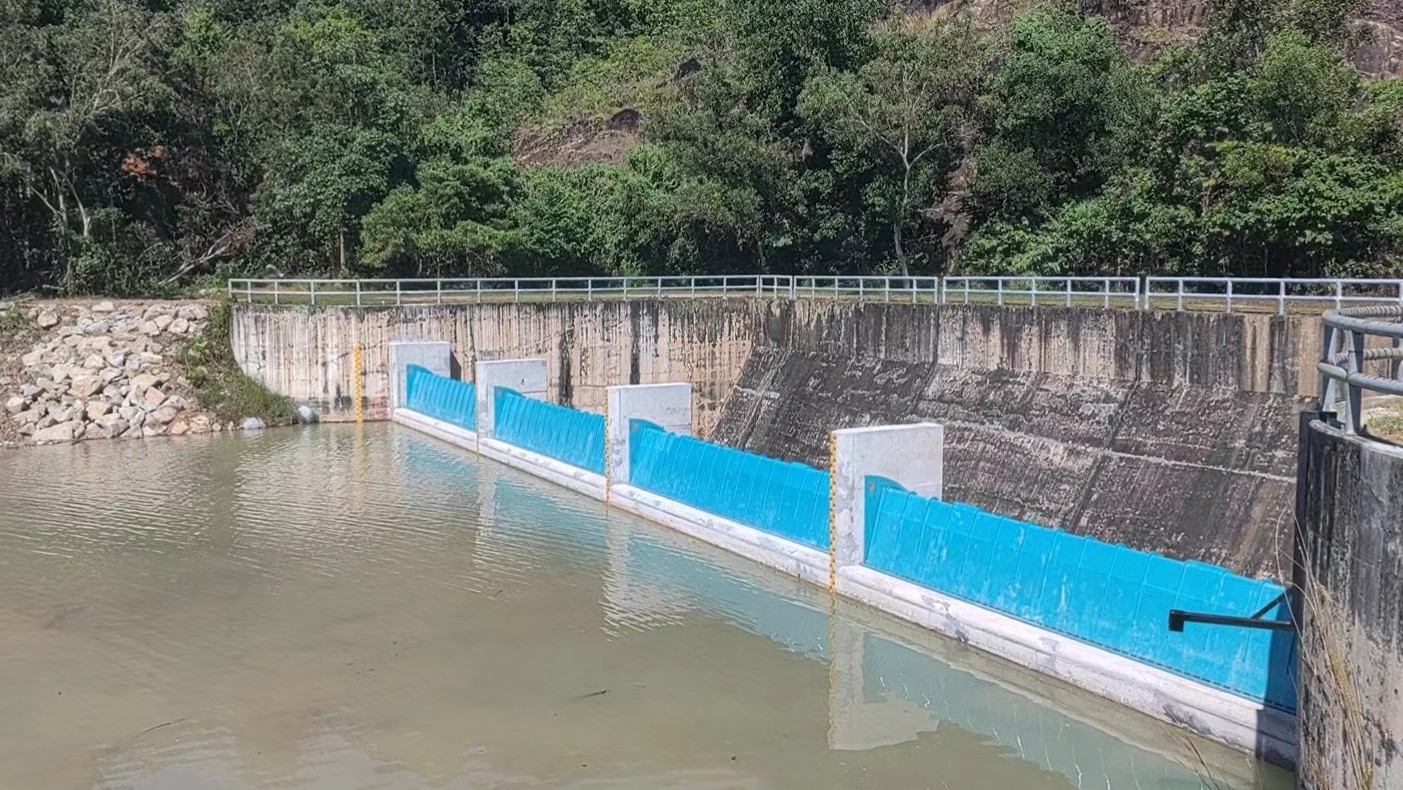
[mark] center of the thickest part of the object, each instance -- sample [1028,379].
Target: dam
[1115,464]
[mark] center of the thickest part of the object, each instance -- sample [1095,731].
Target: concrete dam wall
[308,353]
[1170,432]
[1351,556]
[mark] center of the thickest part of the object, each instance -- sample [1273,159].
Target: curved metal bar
[1342,361]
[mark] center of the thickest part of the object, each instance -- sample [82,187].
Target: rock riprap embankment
[100,370]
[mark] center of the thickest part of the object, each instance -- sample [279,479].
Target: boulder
[59,373]
[33,358]
[30,391]
[200,423]
[149,328]
[149,431]
[162,322]
[87,386]
[162,415]
[252,424]
[30,416]
[62,432]
[47,319]
[144,381]
[179,426]
[16,404]
[104,306]
[153,397]
[193,312]
[94,362]
[96,409]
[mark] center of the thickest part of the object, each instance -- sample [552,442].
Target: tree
[321,184]
[908,107]
[456,220]
[72,92]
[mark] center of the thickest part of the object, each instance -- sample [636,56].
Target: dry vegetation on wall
[573,137]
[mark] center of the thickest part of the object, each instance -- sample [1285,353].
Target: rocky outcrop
[99,370]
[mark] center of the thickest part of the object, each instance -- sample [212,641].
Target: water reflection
[366,607]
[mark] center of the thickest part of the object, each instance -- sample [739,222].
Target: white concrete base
[1210,712]
[562,474]
[438,429]
[810,565]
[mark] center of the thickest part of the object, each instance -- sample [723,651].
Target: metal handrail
[1230,294]
[1347,353]
[1281,290]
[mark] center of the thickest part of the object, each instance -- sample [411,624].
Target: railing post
[479,290]
[793,287]
[311,288]
[886,290]
[1398,359]
[1339,294]
[859,290]
[275,292]
[1229,303]
[694,286]
[625,296]
[552,289]
[1180,307]
[1281,299]
[759,280]
[1106,288]
[516,291]
[589,289]
[999,286]
[1033,290]
[1354,395]
[438,291]
[966,291]
[660,287]
[358,294]
[1069,292]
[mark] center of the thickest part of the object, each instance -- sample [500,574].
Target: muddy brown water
[346,607]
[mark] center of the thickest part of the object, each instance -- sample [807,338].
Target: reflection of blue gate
[449,400]
[786,499]
[1111,596]
[575,437]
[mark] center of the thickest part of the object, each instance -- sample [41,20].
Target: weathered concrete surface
[1350,551]
[307,353]
[1118,425]
[1171,432]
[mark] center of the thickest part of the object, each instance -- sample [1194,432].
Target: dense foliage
[146,144]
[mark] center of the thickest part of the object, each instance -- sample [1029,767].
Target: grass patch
[219,383]
[12,322]
[1390,428]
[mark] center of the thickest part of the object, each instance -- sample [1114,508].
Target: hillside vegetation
[147,146]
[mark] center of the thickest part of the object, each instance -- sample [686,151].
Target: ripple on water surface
[364,607]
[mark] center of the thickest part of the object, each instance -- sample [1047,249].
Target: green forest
[150,147]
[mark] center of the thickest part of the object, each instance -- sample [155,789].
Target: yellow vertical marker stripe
[358,384]
[832,586]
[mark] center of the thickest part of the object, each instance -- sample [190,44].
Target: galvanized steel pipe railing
[1225,294]
[1363,351]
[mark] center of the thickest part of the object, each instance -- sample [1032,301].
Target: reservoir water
[362,607]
